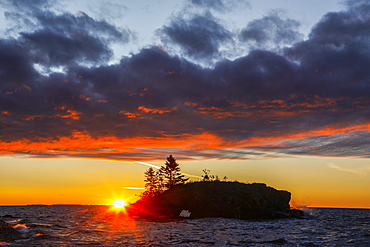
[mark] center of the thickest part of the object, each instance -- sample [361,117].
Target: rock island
[254,201]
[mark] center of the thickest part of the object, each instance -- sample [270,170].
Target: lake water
[97,226]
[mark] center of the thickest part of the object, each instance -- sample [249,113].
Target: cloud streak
[361,172]
[59,96]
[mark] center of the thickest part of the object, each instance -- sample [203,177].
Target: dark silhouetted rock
[7,216]
[218,199]
[8,233]
[278,241]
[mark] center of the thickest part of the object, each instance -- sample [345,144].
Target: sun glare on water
[119,203]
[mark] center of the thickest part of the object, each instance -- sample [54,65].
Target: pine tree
[171,173]
[153,185]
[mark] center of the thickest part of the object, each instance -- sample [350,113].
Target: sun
[119,203]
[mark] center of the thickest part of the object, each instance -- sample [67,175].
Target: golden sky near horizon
[313,181]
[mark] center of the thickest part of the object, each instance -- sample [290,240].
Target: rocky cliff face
[8,233]
[219,199]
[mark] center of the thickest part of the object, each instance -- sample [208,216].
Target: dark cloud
[359,5]
[67,38]
[199,37]
[20,14]
[57,49]
[335,58]
[68,23]
[59,39]
[217,4]
[311,99]
[15,66]
[29,5]
[271,31]
[221,5]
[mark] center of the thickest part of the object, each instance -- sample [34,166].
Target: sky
[94,92]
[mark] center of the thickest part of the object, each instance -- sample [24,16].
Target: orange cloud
[84,97]
[158,110]
[130,114]
[81,143]
[144,110]
[33,117]
[72,114]
[69,113]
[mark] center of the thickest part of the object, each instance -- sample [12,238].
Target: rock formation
[8,233]
[218,199]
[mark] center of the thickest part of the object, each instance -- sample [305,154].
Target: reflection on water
[99,226]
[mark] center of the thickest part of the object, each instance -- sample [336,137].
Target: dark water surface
[97,226]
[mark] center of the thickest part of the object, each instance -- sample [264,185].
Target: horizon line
[78,204]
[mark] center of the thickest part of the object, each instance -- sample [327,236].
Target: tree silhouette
[206,176]
[153,184]
[171,173]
